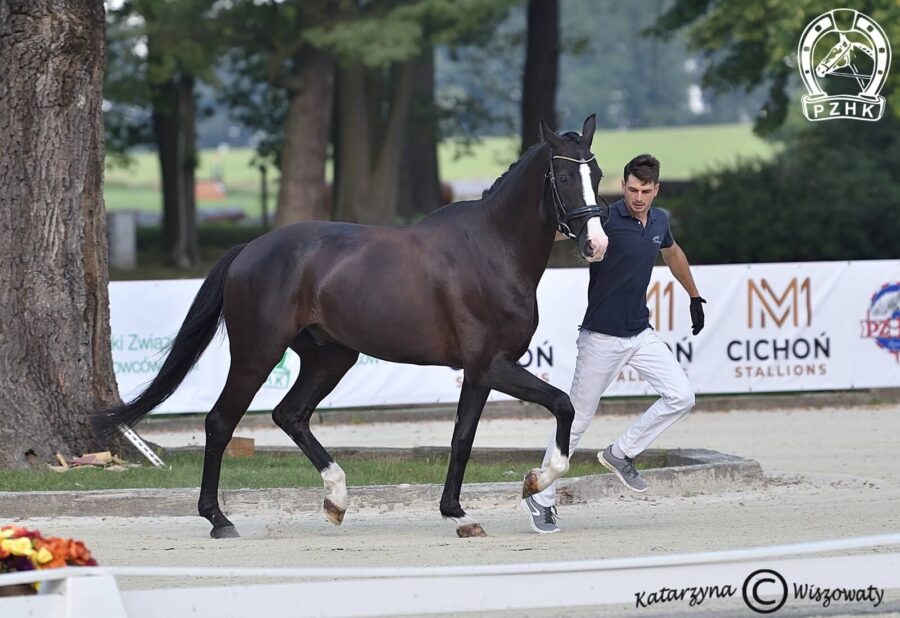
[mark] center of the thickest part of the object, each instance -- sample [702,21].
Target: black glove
[697,318]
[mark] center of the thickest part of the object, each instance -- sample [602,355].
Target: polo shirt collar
[623,211]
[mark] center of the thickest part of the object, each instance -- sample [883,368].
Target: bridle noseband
[563,216]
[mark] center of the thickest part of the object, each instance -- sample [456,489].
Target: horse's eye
[563,180]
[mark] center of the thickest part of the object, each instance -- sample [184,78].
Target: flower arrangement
[27,550]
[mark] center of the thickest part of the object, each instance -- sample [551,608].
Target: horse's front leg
[508,377]
[468,413]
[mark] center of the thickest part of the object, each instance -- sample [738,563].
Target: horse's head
[837,57]
[574,177]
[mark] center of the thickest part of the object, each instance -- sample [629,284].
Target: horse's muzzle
[593,241]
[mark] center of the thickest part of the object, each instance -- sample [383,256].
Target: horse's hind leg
[321,368]
[246,375]
[471,403]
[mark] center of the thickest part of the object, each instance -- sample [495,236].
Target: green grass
[183,469]
[683,151]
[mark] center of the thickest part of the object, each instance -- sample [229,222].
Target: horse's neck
[515,214]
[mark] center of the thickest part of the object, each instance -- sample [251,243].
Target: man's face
[639,195]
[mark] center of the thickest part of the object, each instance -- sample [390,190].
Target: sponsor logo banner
[769,328]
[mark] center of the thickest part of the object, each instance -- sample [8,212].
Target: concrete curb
[685,471]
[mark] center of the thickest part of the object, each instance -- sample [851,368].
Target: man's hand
[697,318]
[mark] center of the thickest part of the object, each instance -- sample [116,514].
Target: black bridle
[563,216]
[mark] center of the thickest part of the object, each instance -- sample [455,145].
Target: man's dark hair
[643,167]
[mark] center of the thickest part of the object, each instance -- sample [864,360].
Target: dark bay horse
[457,289]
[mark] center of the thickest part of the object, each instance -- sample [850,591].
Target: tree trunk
[381,207]
[301,192]
[55,354]
[420,190]
[541,66]
[174,131]
[353,149]
[372,133]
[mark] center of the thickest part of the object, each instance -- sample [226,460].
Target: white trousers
[600,359]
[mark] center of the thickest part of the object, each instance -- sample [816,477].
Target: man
[616,331]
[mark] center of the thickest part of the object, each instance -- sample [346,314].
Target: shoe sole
[531,520]
[618,474]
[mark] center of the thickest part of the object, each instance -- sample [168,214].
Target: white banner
[769,327]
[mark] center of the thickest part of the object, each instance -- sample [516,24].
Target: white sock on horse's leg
[336,483]
[557,466]
[465,520]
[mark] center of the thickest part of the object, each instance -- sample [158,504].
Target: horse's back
[401,293]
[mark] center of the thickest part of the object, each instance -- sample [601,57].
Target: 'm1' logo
[794,303]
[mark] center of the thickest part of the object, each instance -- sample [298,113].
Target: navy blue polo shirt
[617,292]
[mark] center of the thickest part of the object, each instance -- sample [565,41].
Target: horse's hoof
[470,530]
[225,532]
[333,512]
[530,485]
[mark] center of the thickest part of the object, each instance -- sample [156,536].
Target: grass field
[684,152]
[269,470]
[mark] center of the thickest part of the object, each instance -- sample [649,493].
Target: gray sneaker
[542,518]
[623,468]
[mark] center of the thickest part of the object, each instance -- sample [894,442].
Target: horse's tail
[199,327]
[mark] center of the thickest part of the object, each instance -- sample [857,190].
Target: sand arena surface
[832,473]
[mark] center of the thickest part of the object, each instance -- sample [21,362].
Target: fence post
[121,232]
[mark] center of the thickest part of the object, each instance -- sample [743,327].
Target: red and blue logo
[882,321]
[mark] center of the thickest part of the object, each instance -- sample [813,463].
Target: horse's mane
[497,182]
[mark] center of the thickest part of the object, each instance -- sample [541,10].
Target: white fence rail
[766,577]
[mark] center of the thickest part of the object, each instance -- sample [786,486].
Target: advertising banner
[769,328]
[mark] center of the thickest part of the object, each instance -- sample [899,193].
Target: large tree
[55,356]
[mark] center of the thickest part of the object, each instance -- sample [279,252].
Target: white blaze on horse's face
[595,233]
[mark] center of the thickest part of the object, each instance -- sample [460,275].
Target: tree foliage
[829,195]
[751,44]
[185,41]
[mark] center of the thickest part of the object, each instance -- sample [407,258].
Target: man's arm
[559,237]
[677,262]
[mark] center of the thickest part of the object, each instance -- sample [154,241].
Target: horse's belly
[398,329]
[401,345]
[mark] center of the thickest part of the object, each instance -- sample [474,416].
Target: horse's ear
[587,131]
[548,135]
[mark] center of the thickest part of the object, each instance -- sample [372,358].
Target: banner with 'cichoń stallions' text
[769,328]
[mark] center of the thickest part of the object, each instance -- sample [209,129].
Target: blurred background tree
[352,102]
[827,194]
[159,49]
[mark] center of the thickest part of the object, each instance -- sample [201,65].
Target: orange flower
[43,552]
[79,554]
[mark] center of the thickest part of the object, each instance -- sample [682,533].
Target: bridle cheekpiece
[564,217]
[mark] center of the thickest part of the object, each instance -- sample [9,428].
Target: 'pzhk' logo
[843,43]
[882,322]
